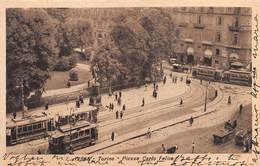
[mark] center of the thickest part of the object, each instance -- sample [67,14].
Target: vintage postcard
[129,83]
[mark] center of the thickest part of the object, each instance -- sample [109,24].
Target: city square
[174,81]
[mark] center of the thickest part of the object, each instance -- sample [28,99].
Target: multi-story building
[213,36]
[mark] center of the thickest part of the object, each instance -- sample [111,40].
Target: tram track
[165,115]
[153,104]
[158,129]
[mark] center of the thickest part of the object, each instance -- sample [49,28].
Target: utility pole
[206,95]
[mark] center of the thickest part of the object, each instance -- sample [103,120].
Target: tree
[29,46]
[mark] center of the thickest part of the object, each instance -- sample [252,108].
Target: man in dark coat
[117,114]
[121,114]
[113,136]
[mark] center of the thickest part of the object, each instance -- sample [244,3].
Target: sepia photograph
[129,80]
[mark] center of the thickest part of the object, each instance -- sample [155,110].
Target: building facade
[213,36]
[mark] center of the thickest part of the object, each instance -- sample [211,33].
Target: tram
[207,73]
[84,113]
[72,137]
[29,128]
[237,77]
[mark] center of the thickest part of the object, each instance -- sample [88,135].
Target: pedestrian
[181,102]
[200,81]
[171,75]
[14,115]
[191,120]
[176,79]
[123,108]
[113,136]
[121,114]
[154,85]
[115,96]
[149,133]
[47,106]
[117,114]
[164,149]
[164,80]
[193,147]
[112,106]
[88,83]
[119,101]
[240,108]
[173,79]
[143,102]
[81,98]
[216,93]
[77,103]
[156,93]
[39,151]
[120,94]
[68,84]
[229,99]
[157,87]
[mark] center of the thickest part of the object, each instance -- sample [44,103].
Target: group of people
[79,101]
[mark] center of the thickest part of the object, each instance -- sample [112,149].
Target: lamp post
[206,95]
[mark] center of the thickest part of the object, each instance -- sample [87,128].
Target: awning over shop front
[237,64]
[188,40]
[234,56]
[208,53]
[205,42]
[190,51]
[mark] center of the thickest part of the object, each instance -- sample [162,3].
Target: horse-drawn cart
[223,136]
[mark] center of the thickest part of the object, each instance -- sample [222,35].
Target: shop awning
[208,53]
[188,40]
[237,64]
[234,56]
[190,51]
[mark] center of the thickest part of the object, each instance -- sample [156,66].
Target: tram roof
[59,133]
[239,71]
[80,110]
[77,125]
[27,120]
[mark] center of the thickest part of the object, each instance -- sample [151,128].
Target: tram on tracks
[20,130]
[207,73]
[230,76]
[237,77]
[72,137]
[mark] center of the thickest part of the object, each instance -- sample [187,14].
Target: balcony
[234,28]
[199,26]
[183,24]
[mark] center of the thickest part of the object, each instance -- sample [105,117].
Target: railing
[199,26]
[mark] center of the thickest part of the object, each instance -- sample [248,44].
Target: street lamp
[206,95]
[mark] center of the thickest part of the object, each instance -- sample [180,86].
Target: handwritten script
[254,93]
[141,160]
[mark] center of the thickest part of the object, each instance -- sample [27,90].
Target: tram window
[39,125]
[81,133]
[35,126]
[29,127]
[19,129]
[74,136]
[87,132]
[25,128]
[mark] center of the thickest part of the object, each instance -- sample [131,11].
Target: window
[25,128]
[236,22]
[87,132]
[81,133]
[199,19]
[30,128]
[218,37]
[19,129]
[217,51]
[219,20]
[235,41]
[39,125]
